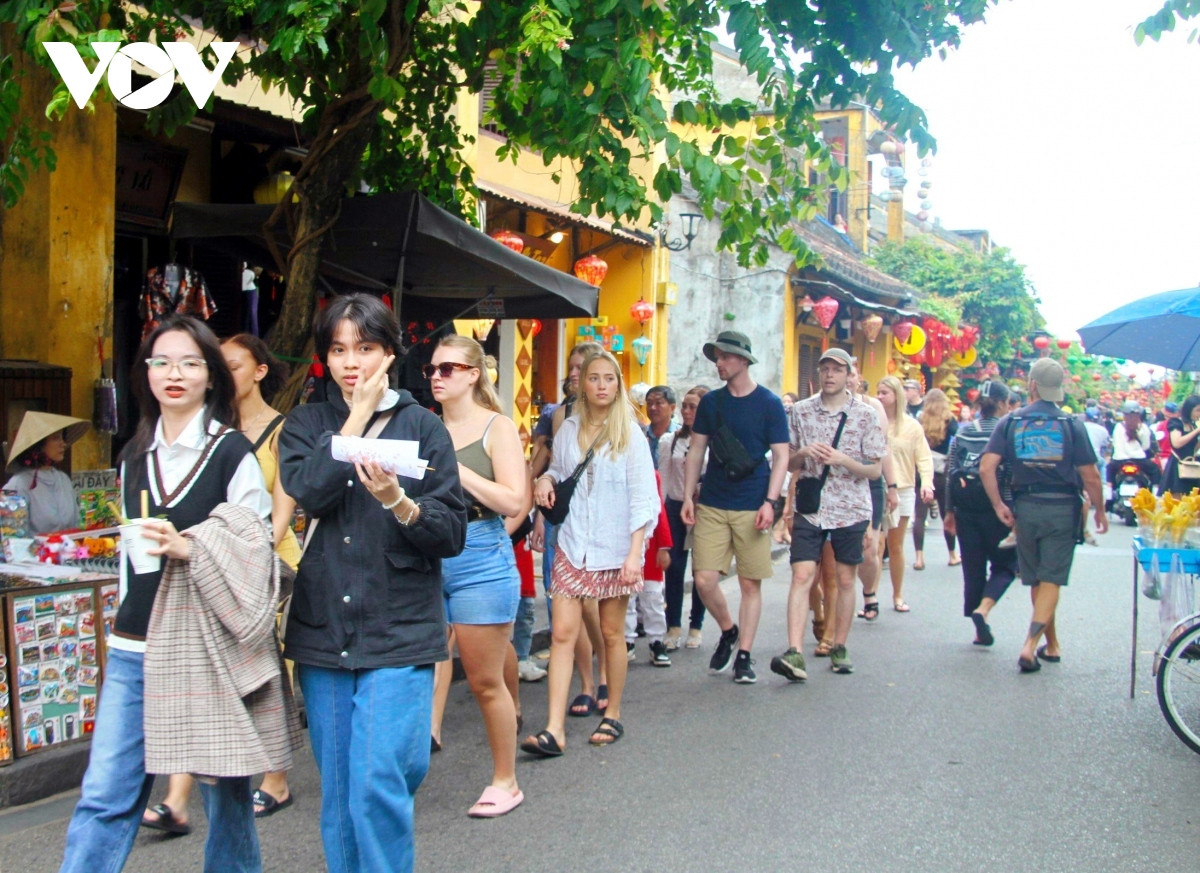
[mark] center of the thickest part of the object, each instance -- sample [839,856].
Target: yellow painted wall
[56,253]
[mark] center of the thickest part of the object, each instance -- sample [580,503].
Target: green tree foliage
[990,290]
[1164,20]
[592,82]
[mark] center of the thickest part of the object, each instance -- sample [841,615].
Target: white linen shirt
[615,497]
[246,487]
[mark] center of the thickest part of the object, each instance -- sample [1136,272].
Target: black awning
[405,245]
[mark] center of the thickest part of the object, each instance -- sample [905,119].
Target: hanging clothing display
[173,288]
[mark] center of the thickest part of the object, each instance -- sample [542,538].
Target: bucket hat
[731,342]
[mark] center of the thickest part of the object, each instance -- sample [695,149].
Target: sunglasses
[444,369]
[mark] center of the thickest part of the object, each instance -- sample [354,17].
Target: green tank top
[475,458]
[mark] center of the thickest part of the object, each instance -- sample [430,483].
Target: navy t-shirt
[758,420]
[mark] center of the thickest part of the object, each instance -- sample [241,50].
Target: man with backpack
[970,516]
[1049,461]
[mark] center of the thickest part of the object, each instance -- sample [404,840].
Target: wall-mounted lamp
[690,220]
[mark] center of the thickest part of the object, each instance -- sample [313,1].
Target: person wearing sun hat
[41,443]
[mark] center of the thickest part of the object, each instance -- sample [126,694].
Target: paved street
[935,755]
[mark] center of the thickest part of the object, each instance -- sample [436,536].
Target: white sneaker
[630,651]
[694,639]
[1009,542]
[529,671]
[672,639]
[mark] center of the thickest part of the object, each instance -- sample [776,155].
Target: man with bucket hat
[1049,460]
[41,443]
[740,498]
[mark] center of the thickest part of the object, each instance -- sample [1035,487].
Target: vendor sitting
[41,443]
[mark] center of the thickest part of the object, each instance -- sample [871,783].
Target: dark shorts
[808,540]
[878,502]
[1046,538]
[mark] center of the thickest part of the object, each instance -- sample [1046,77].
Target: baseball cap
[1170,406]
[1047,374]
[1092,413]
[1131,407]
[840,355]
[997,391]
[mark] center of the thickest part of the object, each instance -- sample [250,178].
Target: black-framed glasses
[444,369]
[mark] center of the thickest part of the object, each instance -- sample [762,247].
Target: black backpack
[966,487]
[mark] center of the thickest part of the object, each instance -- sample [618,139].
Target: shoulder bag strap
[837,437]
[587,459]
[269,431]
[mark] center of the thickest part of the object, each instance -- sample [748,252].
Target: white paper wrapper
[395,456]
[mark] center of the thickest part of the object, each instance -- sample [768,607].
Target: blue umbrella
[1163,329]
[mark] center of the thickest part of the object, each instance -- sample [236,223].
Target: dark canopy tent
[433,264]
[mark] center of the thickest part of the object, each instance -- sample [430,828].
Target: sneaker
[1009,542]
[671,641]
[694,639]
[839,661]
[658,654]
[719,662]
[641,629]
[790,665]
[630,654]
[743,669]
[529,671]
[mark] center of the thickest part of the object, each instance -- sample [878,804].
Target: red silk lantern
[508,239]
[1076,378]
[1041,342]
[934,354]
[871,326]
[1064,344]
[1116,377]
[972,394]
[591,269]
[642,311]
[536,326]
[902,330]
[1095,377]
[826,311]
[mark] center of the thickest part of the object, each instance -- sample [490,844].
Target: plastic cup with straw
[137,546]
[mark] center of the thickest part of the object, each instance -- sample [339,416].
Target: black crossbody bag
[808,489]
[565,490]
[728,450]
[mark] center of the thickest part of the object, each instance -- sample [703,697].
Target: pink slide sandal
[495,802]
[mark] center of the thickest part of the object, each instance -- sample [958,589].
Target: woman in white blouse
[600,545]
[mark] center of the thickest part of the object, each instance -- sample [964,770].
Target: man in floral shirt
[836,446]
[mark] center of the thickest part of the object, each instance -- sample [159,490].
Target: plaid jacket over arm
[217,699]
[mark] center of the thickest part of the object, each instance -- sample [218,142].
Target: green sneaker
[839,661]
[790,665]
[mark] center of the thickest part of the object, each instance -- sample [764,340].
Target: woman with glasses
[480,587]
[184,467]
[366,623]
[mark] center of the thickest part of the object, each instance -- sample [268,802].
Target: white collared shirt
[245,488]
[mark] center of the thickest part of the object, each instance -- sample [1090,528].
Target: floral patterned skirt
[569,581]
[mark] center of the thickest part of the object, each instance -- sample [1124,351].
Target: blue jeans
[116,789]
[522,638]
[547,568]
[674,575]
[370,736]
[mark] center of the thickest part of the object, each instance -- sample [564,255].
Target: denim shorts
[482,586]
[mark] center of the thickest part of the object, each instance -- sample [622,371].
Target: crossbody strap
[587,459]
[837,437]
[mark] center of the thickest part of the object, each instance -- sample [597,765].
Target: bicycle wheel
[1179,687]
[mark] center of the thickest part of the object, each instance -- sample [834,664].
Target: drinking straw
[145,503]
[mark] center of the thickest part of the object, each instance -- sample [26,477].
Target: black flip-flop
[608,727]
[1049,659]
[981,628]
[166,821]
[601,694]
[1030,666]
[582,700]
[269,804]
[543,745]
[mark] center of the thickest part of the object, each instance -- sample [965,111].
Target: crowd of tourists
[401,567]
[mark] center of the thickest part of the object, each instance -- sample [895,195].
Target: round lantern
[914,344]
[871,326]
[1064,344]
[964,359]
[972,394]
[901,330]
[641,349]
[825,310]
[508,239]
[1041,342]
[1116,377]
[1095,377]
[642,311]
[535,326]
[1076,378]
[591,269]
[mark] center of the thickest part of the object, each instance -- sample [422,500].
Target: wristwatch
[776,504]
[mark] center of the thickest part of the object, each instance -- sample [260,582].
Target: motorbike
[1129,479]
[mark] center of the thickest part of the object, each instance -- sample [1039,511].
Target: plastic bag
[1178,600]
[1151,583]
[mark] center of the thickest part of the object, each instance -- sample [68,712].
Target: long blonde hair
[619,424]
[483,392]
[899,403]
[936,416]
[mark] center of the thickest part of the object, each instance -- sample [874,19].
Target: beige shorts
[722,534]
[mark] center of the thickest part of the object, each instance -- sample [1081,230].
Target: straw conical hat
[36,426]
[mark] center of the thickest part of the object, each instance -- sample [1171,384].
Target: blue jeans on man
[370,735]
[116,788]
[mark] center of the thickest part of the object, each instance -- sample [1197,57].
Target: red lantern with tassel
[1063,344]
[871,326]
[825,310]
[591,269]
[902,330]
[1041,342]
[508,239]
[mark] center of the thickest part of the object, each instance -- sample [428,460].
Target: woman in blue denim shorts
[481,587]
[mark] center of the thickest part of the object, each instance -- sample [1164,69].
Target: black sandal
[870,611]
[543,745]
[609,727]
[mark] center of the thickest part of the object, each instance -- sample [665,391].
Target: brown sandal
[824,649]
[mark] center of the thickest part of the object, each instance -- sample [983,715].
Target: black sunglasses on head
[443,369]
